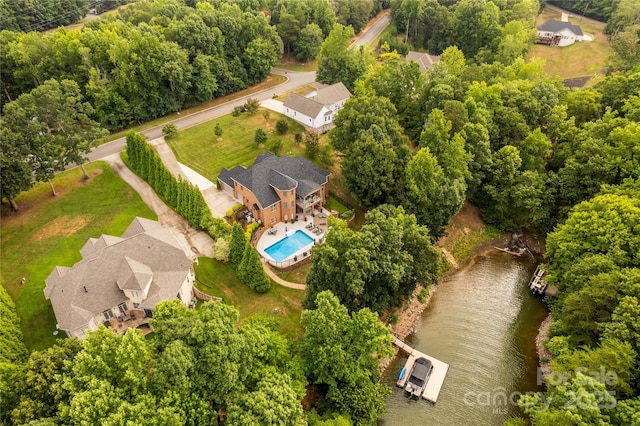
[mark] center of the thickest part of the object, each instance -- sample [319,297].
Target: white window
[135,294]
[286,205]
[273,220]
[123,307]
[273,208]
[284,194]
[108,314]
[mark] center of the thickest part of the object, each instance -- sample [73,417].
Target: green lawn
[467,243]
[292,64]
[297,275]
[334,204]
[219,279]
[199,148]
[271,81]
[50,231]
[580,59]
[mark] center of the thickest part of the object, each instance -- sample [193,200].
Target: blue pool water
[288,245]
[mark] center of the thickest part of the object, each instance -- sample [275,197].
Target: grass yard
[50,231]
[290,63]
[199,148]
[297,275]
[219,279]
[334,204]
[580,59]
[271,81]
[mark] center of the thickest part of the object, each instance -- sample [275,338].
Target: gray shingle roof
[306,106]
[152,251]
[285,173]
[331,94]
[133,275]
[424,60]
[554,26]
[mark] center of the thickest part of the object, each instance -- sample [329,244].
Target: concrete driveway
[194,242]
[273,105]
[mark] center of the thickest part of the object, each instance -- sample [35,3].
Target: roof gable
[306,106]
[556,26]
[95,284]
[133,275]
[424,60]
[284,173]
[331,94]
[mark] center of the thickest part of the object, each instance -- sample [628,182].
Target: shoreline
[544,356]
[409,314]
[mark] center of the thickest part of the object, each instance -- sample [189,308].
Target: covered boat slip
[434,381]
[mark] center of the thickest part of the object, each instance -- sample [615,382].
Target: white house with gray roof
[276,189]
[559,33]
[317,109]
[120,280]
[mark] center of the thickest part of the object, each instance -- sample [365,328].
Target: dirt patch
[63,226]
[466,220]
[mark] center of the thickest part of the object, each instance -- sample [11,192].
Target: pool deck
[282,229]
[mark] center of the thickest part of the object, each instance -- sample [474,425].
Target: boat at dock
[537,284]
[418,377]
[426,374]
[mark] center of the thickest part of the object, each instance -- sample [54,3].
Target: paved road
[373,31]
[294,81]
[575,15]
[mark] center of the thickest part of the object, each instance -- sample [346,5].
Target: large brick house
[276,189]
[120,280]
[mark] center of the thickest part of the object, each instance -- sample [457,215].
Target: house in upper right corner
[559,33]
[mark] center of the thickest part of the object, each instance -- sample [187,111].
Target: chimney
[85,289]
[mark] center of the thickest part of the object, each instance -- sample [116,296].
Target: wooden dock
[438,374]
[537,283]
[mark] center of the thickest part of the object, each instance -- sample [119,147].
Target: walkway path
[194,242]
[218,201]
[280,281]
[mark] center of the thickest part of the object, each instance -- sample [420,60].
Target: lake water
[482,321]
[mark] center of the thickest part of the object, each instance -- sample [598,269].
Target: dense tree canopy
[150,59]
[342,351]
[377,267]
[338,63]
[24,15]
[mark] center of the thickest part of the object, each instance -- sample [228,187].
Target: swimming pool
[289,245]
